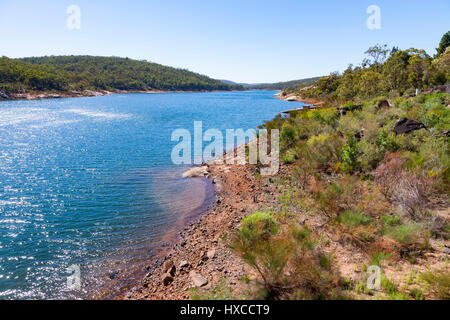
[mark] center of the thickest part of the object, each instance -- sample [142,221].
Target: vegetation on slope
[350,177]
[283,85]
[275,86]
[64,73]
[385,72]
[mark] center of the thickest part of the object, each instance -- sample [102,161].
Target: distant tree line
[384,72]
[63,73]
[282,85]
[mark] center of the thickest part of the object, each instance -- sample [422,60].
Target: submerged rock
[196,172]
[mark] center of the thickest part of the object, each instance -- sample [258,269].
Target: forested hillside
[384,72]
[63,73]
[364,185]
[277,85]
[283,85]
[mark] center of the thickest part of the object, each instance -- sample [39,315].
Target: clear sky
[239,40]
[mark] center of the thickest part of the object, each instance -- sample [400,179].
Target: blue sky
[244,41]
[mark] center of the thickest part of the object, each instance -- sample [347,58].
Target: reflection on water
[89,182]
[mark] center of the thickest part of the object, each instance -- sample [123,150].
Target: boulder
[211,254]
[343,111]
[359,135]
[445,133]
[3,95]
[291,98]
[383,104]
[197,279]
[406,126]
[169,267]
[167,279]
[184,267]
[196,172]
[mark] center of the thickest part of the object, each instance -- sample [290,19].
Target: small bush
[439,281]
[288,157]
[353,219]
[288,137]
[378,257]
[408,190]
[409,233]
[350,156]
[258,226]
[287,262]
[390,221]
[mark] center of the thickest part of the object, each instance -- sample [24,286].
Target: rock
[383,104]
[198,279]
[359,135]
[291,98]
[211,254]
[3,95]
[438,226]
[445,133]
[183,264]
[167,279]
[196,172]
[169,267]
[343,111]
[406,126]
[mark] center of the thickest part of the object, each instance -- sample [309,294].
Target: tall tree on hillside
[445,42]
[378,53]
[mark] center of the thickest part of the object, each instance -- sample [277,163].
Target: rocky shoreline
[39,95]
[201,258]
[201,261]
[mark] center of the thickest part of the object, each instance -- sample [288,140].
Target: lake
[89,182]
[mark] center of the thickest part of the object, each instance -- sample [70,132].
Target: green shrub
[258,226]
[439,281]
[350,156]
[389,221]
[288,137]
[416,294]
[378,257]
[386,142]
[409,233]
[353,219]
[288,157]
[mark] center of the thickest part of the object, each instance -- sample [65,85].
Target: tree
[445,42]
[378,53]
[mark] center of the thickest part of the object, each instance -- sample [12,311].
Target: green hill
[64,73]
[282,85]
[275,86]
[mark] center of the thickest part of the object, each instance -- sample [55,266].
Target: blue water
[89,181]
